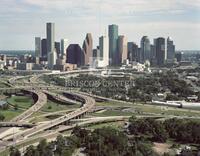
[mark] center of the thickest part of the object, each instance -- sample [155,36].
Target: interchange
[30,133]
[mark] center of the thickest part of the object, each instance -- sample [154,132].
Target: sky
[22,20]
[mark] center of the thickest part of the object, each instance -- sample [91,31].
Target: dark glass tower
[113,40]
[160,51]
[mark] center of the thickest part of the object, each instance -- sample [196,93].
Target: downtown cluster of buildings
[113,50]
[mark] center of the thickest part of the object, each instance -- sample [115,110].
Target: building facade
[104,51]
[88,48]
[63,46]
[75,55]
[170,50]
[44,49]
[160,51]
[133,52]
[122,48]
[51,54]
[113,48]
[38,49]
[145,49]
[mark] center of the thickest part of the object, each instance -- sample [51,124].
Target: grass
[116,125]
[53,107]
[3,85]
[145,108]
[21,101]
[112,103]
[44,118]
[113,113]
[10,113]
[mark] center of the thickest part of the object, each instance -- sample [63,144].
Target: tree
[2,117]
[16,107]
[14,151]
[31,151]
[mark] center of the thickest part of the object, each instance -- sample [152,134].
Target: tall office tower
[63,46]
[51,54]
[160,51]
[145,49]
[133,52]
[113,50]
[179,56]
[37,49]
[57,48]
[96,53]
[44,49]
[153,54]
[122,48]
[104,51]
[75,55]
[88,48]
[170,50]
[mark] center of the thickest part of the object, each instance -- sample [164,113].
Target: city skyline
[177,19]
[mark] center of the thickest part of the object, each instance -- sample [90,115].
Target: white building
[63,45]
[123,49]
[38,50]
[51,54]
[52,57]
[103,60]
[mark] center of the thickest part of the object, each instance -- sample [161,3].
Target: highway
[73,115]
[41,101]
[61,98]
[87,106]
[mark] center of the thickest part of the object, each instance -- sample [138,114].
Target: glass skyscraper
[113,40]
[51,54]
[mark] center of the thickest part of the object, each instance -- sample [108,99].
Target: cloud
[25,19]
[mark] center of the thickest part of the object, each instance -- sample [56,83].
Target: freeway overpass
[89,103]
[41,101]
[16,124]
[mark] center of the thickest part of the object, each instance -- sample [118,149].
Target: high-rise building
[96,53]
[133,52]
[57,48]
[63,46]
[75,55]
[104,51]
[170,50]
[113,49]
[51,54]
[160,51]
[122,48]
[88,48]
[179,56]
[37,49]
[44,49]
[145,49]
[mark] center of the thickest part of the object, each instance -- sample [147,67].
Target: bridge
[89,103]
[41,101]
[16,124]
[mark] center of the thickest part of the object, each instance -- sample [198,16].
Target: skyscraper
[75,55]
[133,52]
[63,45]
[104,51]
[122,48]
[44,49]
[88,48]
[51,54]
[145,49]
[57,48]
[113,50]
[37,49]
[160,51]
[170,50]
